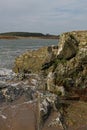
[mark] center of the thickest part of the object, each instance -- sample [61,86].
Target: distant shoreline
[21,35]
[31,37]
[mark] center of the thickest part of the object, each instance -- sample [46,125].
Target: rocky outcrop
[31,61]
[70,62]
[51,77]
[75,68]
[63,65]
[68,46]
[23,92]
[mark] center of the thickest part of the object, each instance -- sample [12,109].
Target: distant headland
[17,35]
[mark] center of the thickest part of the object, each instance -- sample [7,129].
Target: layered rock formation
[66,62]
[51,77]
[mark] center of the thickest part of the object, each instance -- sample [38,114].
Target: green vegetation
[28,34]
[59,61]
[21,34]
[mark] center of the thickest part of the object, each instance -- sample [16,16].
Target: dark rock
[14,92]
[29,93]
[2,97]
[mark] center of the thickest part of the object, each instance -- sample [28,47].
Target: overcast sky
[45,16]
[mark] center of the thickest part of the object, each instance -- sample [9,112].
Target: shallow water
[10,49]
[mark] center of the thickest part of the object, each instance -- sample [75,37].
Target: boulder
[50,81]
[59,63]
[68,46]
[70,66]
[31,61]
[48,102]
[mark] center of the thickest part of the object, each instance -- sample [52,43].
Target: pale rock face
[50,79]
[52,87]
[67,60]
[67,47]
[61,90]
[60,49]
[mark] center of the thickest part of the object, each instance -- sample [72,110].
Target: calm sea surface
[10,49]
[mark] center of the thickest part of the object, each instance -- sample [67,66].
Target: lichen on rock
[68,46]
[66,61]
[30,61]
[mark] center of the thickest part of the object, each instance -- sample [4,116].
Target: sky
[44,16]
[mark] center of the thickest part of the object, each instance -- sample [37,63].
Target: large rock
[68,46]
[70,62]
[31,61]
[74,67]
[67,62]
[48,102]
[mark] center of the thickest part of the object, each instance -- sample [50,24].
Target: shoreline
[29,37]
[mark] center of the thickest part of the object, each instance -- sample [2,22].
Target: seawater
[10,49]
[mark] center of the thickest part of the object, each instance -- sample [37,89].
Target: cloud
[46,16]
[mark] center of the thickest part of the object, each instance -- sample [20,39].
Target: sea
[10,49]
